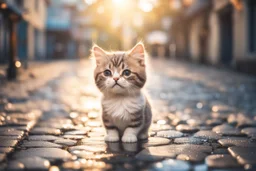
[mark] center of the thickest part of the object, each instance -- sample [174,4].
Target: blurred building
[22,21]
[218,32]
[60,43]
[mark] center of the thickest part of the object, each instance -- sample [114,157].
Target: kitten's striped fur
[125,109]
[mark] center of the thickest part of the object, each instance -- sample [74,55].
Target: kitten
[120,77]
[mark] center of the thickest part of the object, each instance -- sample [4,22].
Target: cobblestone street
[203,119]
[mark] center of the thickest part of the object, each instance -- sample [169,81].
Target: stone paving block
[34,163]
[247,159]
[194,156]
[241,120]
[170,164]
[186,128]
[42,138]
[47,153]
[227,130]
[2,157]
[46,144]
[214,122]
[221,161]
[78,132]
[74,137]
[65,142]
[189,140]
[11,137]
[5,131]
[222,116]
[94,124]
[93,140]
[169,134]
[209,135]
[24,128]
[15,165]
[96,134]
[5,149]
[244,155]
[236,141]
[249,131]
[156,141]
[8,143]
[220,151]
[45,131]
[158,127]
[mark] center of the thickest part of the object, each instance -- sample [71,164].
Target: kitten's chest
[121,108]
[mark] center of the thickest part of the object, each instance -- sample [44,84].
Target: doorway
[226,35]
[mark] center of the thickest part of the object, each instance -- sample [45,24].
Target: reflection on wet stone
[171,164]
[34,163]
[90,148]
[221,161]
[86,164]
[147,157]
[192,156]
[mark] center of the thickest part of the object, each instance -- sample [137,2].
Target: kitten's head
[120,72]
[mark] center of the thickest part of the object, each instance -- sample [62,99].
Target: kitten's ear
[98,53]
[138,52]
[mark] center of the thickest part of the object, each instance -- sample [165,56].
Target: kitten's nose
[116,78]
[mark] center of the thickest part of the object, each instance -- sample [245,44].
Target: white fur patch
[120,108]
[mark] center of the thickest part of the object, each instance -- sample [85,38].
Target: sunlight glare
[121,4]
[145,5]
[90,2]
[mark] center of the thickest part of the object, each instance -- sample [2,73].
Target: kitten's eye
[107,73]
[127,72]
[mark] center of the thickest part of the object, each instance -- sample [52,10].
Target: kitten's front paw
[129,138]
[111,138]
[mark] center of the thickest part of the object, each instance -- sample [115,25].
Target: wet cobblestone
[204,119]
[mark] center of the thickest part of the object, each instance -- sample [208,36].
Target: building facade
[219,33]
[60,42]
[28,18]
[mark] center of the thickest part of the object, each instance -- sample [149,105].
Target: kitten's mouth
[116,84]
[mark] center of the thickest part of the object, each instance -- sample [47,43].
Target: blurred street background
[212,32]
[201,82]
